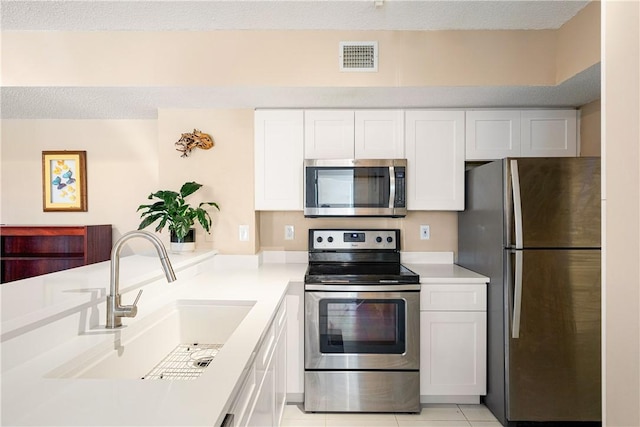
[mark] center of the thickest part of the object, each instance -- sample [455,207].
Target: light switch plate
[243,233]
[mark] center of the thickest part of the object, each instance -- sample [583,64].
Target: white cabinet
[492,134]
[328,134]
[549,133]
[353,134]
[435,159]
[496,134]
[453,341]
[379,134]
[262,397]
[295,342]
[279,141]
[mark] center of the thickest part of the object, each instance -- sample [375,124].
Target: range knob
[379,239]
[389,239]
[319,239]
[330,239]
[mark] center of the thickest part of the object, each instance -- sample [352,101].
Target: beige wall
[578,44]
[590,129]
[296,58]
[122,159]
[129,159]
[621,213]
[444,229]
[226,171]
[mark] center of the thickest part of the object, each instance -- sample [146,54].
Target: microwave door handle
[392,187]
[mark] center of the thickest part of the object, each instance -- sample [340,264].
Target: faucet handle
[135,302]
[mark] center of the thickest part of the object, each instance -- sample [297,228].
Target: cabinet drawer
[453,297]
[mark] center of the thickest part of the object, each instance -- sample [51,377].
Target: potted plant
[173,211]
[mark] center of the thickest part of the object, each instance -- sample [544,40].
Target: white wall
[621,213]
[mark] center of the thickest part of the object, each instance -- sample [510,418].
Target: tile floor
[432,415]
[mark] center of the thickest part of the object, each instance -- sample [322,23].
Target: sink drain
[185,362]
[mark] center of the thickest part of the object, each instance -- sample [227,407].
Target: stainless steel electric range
[362,324]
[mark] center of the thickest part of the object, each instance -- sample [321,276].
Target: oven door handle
[360,288]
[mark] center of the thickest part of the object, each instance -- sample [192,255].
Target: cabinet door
[435,160]
[492,134]
[278,159]
[453,348]
[280,356]
[549,133]
[379,134]
[328,134]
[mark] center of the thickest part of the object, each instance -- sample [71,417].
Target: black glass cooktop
[360,273]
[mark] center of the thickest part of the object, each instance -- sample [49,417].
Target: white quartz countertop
[50,320]
[445,273]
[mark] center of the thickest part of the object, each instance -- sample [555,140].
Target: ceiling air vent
[358,56]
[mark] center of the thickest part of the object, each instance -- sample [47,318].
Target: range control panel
[387,239]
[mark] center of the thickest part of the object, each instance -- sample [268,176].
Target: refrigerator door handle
[517,296]
[517,203]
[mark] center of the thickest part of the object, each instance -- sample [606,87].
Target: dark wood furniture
[29,251]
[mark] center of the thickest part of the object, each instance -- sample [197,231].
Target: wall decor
[195,139]
[64,181]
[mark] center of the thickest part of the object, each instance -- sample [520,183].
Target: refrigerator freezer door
[554,364]
[559,201]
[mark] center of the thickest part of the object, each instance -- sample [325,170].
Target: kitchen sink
[138,350]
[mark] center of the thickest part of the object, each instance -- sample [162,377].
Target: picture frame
[64,181]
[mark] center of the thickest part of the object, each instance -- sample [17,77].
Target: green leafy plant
[173,211]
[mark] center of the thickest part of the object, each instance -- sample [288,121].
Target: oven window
[362,326]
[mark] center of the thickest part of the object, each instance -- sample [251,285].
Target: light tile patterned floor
[431,416]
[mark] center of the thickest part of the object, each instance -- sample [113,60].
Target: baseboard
[462,400]
[293,398]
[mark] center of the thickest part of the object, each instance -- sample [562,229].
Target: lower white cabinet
[453,341]
[262,397]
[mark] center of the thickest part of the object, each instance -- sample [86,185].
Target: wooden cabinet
[354,134]
[453,342]
[279,140]
[496,134]
[262,396]
[29,251]
[435,159]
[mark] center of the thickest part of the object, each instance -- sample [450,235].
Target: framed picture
[64,181]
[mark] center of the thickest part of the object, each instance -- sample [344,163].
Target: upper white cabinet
[353,134]
[279,140]
[379,134]
[435,159]
[549,133]
[496,134]
[492,134]
[328,134]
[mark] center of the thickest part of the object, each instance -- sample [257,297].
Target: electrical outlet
[289,232]
[243,233]
[425,232]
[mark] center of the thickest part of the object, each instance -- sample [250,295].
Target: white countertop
[49,320]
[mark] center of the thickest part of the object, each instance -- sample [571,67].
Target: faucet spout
[116,311]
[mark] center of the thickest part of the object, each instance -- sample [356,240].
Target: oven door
[362,330]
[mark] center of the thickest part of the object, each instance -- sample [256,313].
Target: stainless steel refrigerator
[532,225]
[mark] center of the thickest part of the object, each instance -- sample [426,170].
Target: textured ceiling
[144,102]
[275,14]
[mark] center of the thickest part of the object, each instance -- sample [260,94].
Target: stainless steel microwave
[355,187]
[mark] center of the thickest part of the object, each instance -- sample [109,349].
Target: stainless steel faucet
[115,311]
